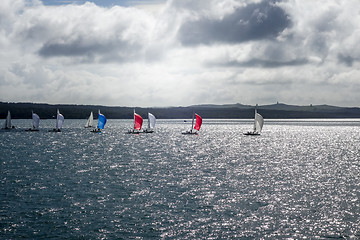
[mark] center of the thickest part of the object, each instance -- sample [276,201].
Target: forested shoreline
[228,111]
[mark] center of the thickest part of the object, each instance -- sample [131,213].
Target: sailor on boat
[133,131]
[8,128]
[96,130]
[190,132]
[55,130]
[33,129]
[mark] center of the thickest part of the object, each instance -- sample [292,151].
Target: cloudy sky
[180,52]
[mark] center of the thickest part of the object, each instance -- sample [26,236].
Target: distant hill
[311,108]
[234,111]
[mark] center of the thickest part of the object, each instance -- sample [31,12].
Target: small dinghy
[258,125]
[35,123]
[7,124]
[138,121]
[151,123]
[101,123]
[196,127]
[59,122]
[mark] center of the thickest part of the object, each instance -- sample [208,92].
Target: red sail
[138,121]
[198,122]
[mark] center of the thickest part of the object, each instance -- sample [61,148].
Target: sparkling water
[298,179]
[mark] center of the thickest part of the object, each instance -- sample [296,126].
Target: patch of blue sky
[103,3]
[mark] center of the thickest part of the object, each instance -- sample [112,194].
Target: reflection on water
[299,179]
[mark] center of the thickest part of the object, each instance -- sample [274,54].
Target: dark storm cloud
[252,22]
[347,59]
[99,35]
[75,48]
[88,51]
[266,63]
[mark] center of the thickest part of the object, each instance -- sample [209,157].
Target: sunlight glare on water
[298,179]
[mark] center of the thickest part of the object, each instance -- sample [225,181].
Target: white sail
[36,120]
[90,121]
[258,123]
[59,120]
[151,121]
[7,124]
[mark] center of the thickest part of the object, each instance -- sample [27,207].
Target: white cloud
[181,53]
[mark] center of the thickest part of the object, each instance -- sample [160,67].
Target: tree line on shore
[227,111]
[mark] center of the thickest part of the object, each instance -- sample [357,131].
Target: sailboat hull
[7,128]
[190,133]
[32,130]
[252,134]
[148,131]
[55,130]
[133,132]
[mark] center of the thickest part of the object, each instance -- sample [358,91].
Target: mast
[98,118]
[134,118]
[32,117]
[57,119]
[192,124]
[255,121]
[255,118]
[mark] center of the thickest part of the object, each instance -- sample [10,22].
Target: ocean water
[299,180]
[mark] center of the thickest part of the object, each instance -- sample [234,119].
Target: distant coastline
[226,111]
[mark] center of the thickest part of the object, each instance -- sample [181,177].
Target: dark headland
[226,111]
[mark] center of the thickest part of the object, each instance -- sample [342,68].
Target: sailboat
[138,120]
[7,124]
[90,121]
[101,122]
[59,122]
[258,124]
[35,122]
[151,123]
[197,125]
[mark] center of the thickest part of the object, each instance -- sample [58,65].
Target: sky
[159,53]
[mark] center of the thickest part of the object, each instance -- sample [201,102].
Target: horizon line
[193,105]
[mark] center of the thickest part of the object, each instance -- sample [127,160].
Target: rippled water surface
[299,179]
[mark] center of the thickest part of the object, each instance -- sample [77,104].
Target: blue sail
[102,121]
